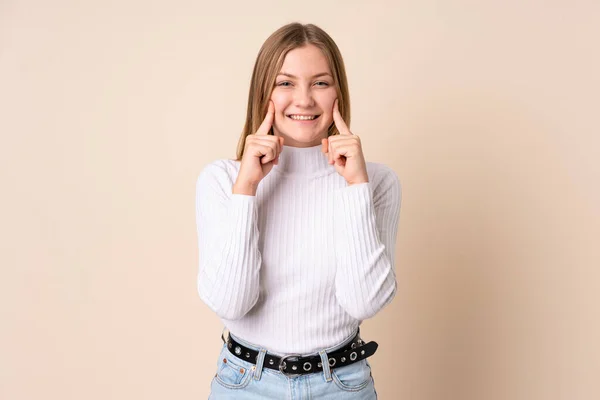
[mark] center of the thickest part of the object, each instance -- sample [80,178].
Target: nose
[303,98]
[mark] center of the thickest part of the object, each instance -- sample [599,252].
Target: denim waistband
[315,353]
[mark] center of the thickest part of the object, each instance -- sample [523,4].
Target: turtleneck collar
[303,161]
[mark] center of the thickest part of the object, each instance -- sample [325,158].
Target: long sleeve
[366,221]
[229,258]
[297,267]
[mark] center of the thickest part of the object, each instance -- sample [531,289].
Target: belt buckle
[282,364]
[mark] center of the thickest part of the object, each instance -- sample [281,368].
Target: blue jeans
[241,380]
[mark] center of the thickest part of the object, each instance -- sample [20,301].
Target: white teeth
[303,117]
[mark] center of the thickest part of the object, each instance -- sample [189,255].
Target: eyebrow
[314,76]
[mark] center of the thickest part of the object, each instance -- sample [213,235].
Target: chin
[304,137]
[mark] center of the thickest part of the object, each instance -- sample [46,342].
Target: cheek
[281,103]
[326,103]
[278,99]
[328,111]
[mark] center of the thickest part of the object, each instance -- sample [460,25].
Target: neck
[303,161]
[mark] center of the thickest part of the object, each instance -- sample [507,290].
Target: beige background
[488,111]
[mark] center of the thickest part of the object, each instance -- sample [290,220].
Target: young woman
[296,236]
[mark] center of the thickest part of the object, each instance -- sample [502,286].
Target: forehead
[307,60]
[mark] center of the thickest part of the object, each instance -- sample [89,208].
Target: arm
[365,244]
[229,259]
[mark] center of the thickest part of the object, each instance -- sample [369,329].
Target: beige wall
[488,111]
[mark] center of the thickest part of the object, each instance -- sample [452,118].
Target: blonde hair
[269,62]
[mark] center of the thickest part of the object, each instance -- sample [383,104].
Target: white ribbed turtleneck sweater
[297,267]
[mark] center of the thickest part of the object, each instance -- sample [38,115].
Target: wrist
[358,182]
[244,188]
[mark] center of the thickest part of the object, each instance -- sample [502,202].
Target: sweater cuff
[355,212]
[243,209]
[357,197]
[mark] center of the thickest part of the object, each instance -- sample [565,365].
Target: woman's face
[304,86]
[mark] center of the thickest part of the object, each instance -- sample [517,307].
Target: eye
[323,83]
[283,83]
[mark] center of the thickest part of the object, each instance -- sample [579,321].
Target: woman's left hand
[345,151]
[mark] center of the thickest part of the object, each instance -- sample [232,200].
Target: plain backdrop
[487,110]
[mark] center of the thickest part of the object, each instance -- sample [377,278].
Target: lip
[306,122]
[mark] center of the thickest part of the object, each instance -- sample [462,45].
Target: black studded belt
[294,364]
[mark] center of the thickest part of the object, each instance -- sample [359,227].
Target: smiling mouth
[303,117]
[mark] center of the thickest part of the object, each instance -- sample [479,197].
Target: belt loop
[222,334]
[325,363]
[260,359]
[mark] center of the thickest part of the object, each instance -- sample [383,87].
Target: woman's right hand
[261,152]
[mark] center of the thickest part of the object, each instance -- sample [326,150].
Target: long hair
[269,62]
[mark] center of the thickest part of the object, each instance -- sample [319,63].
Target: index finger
[265,127]
[339,121]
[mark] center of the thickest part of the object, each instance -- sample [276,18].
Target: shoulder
[221,172]
[381,174]
[384,181]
